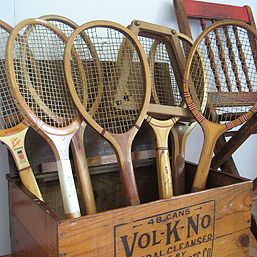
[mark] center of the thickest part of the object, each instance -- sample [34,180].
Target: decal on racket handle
[34,59]
[13,127]
[77,141]
[119,114]
[229,95]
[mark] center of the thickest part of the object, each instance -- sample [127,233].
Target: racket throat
[15,144]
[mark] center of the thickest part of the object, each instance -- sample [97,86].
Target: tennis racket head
[155,43]
[63,23]
[11,120]
[35,69]
[100,69]
[228,53]
[166,51]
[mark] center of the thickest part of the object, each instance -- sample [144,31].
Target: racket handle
[179,136]
[82,170]
[164,173]
[68,189]
[129,182]
[211,134]
[162,129]
[28,180]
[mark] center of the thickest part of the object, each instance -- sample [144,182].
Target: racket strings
[40,75]
[119,69]
[164,70]
[230,73]
[9,114]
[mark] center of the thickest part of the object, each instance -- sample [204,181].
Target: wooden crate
[214,223]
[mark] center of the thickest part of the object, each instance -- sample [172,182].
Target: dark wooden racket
[230,66]
[35,69]
[13,127]
[77,142]
[119,114]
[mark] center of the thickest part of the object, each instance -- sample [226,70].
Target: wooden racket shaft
[35,69]
[119,113]
[77,141]
[13,127]
[230,92]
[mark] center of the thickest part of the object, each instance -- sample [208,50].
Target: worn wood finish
[211,135]
[32,223]
[253,246]
[162,129]
[232,145]
[218,218]
[180,134]
[77,141]
[13,127]
[225,233]
[172,109]
[197,9]
[186,9]
[184,27]
[58,137]
[121,142]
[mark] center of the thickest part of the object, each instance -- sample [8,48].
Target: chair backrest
[209,12]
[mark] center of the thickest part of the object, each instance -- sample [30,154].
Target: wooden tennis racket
[230,66]
[119,114]
[77,142]
[166,57]
[35,69]
[13,127]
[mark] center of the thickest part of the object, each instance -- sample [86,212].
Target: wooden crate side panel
[184,225]
[236,245]
[32,222]
[24,245]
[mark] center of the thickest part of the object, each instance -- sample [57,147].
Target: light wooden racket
[166,50]
[117,118]
[230,67]
[13,127]
[77,142]
[35,69]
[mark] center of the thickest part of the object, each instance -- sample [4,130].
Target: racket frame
[214,130]
[162,128]
[58,138]
[121,142]
[77,141]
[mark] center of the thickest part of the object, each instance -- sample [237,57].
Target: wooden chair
[206,13]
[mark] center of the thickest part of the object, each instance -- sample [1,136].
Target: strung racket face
[117,112]
[228,53]
[10,116]
[165,71]
[35,68]
[229,61]
[97,77]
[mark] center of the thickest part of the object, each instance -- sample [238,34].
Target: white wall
[124,12]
